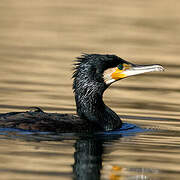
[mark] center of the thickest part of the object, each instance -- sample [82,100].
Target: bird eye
[120,66]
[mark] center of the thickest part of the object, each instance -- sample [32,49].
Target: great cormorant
[93,74]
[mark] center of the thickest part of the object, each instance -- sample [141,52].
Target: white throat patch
[107,75]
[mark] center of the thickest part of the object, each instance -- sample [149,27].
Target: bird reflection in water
[88,162]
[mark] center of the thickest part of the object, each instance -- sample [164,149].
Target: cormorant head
[107,69]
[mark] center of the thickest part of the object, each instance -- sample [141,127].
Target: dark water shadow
[88,159]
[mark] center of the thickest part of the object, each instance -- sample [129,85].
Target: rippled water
[39,41]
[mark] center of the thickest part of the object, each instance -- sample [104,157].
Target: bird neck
[90,105]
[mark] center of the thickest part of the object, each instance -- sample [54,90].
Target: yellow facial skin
[113,74]
[118,74]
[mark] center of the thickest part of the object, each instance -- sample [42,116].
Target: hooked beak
[131,69]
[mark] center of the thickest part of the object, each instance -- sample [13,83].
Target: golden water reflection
[39,41]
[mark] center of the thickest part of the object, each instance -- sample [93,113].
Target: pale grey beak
[139,69]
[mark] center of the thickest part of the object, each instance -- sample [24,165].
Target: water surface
[39,41]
